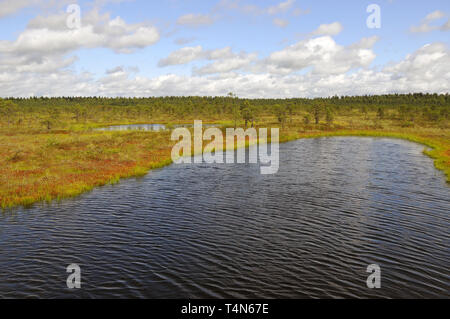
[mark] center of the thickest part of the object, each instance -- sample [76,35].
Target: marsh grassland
[50,148]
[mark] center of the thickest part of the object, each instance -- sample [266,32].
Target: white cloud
[423,28]
[281,7]
[282,23]
[44,47]
[226,65]
[115,70]
[11,7]
[52,36]
[182,56]
[195,20]
[39,62]
[189,54]
[426,70]
[322,55]
[426,26]
[220,54]
[329,29]
[434,16]
[183,41]
[426,66]
[298,12]
[8,7]
[446,26]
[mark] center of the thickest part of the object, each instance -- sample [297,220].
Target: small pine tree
[329,116]
[380,113]
[317,112]
[307,119]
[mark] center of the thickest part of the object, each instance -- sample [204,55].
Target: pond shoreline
[438,151]
[337,205]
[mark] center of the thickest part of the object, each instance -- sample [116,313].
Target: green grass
[40,165]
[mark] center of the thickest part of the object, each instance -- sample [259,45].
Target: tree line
[51,111]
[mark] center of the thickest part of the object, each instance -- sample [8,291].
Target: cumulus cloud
[423,28]
[281,7]
[426,70]
[329,29]
[183,41]
[225,60]
[195,20]
[182,56]
[118,69]
[11,7]
[446,26]
[434,15]
[322,55]
[8,7]
[228,64]
[189,54]
[34,63]
[44,46]
[282,23]
[298,12]
[39,62]
[426,26]
[52,35]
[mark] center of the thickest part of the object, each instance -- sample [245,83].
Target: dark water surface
[336,206]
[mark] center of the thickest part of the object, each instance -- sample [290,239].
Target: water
[336,206]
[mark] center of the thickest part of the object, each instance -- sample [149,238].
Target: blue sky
[266,43]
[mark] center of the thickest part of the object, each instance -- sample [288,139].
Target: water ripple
[225,231]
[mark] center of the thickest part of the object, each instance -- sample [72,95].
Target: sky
[255,49]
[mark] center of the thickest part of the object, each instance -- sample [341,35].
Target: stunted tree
[235,109]
[307,119]
[329,116]
[79,112]
[380,113]
[317,112]
[280,113]
[364,110]
[8,109]
[51,118]
[290,111]
[247,113]
[254,114]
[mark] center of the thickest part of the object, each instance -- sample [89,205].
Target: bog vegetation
[61,113]
[49,148]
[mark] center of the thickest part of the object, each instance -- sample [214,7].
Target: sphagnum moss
[55,166]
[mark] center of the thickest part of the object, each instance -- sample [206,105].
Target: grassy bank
[38,165]
[50,150]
